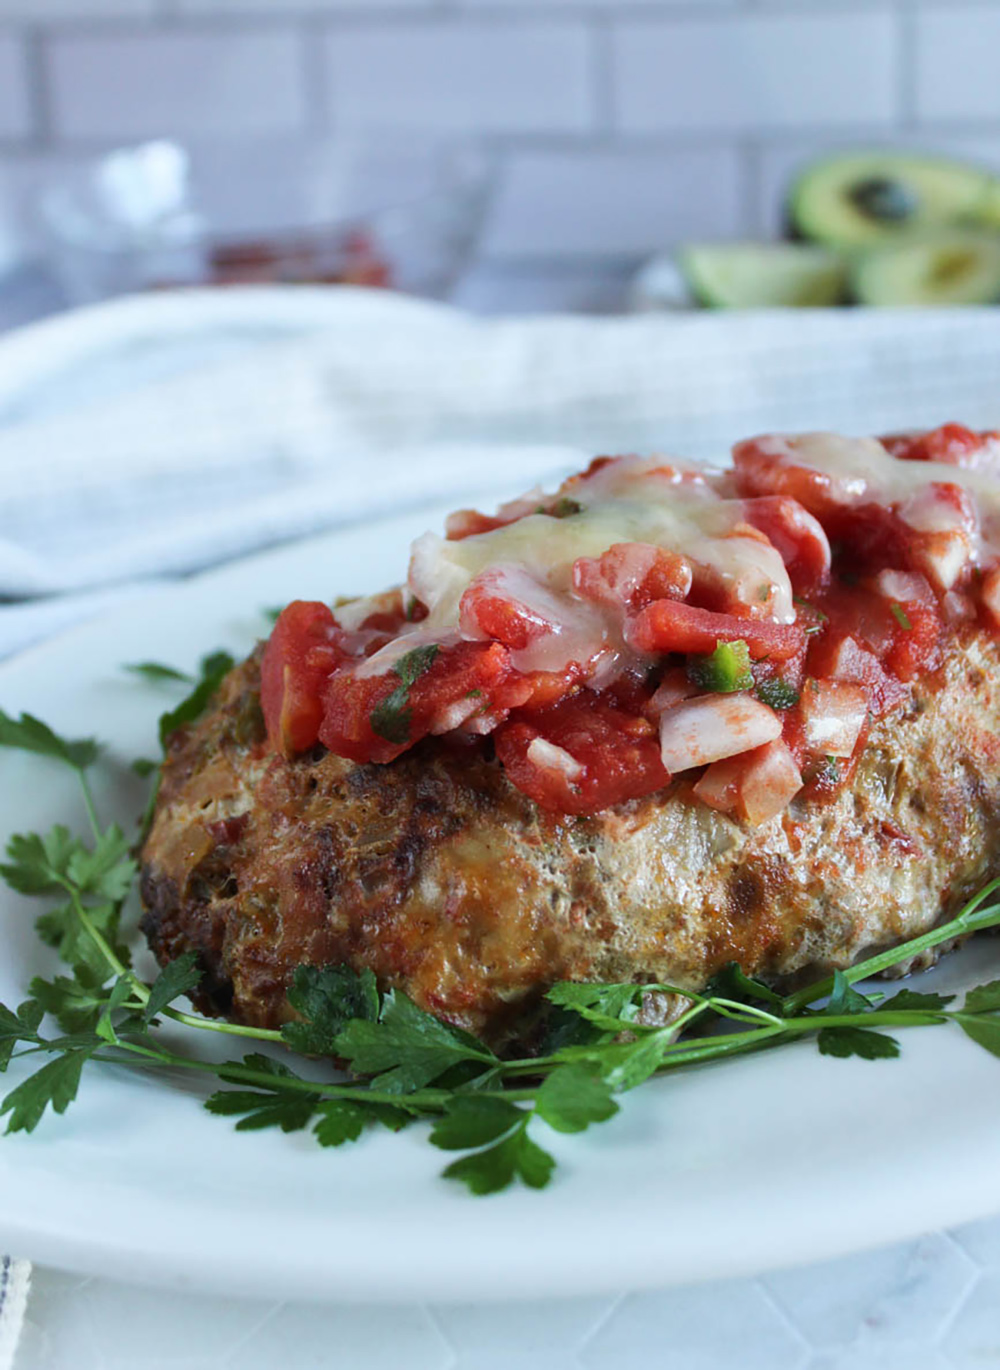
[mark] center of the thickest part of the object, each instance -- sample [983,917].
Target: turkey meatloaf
[659,721]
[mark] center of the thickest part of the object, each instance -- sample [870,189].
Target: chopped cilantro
[899,614]
[392,717]
[777,693]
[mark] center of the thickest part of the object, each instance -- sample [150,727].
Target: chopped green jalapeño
[725,670]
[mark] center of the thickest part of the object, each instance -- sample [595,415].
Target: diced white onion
[771,779]
[944,556]
[903,587]
[674,687]
[710,727]
[351,615]
[452,717]
[548,757]
[755,786]
[834,713]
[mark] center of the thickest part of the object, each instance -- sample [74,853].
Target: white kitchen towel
[162,434]
[15,1277]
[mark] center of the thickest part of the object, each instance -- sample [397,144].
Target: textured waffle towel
[159,435]
[15,1277]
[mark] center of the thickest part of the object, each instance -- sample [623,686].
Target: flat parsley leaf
[852,1041]
[62,929]
[611,1007]
[30,734]
[37,864]
[407,1048]
[54,1086]
[212,672]
[107,870]
[76,1004]
[391,718]
[515,1156]
[985,1031]
[328,998]
[910,999]
[983,999]
[630,1064]
[156,671]
[844,998]
[177,978]
[343,1120]
[473,1120]
[573,1097]
[19,1026]
[259,1109]
[732,982]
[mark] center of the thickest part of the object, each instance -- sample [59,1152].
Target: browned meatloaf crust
[452,885]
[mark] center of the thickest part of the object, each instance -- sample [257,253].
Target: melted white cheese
[688,518]
[862,470]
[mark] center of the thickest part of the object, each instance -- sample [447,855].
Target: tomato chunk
[952,444]
[632,574]
[798,536]
[595,755]
[303,650]
[378,717]
[669,626]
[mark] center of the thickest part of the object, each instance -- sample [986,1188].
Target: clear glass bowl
[386,210]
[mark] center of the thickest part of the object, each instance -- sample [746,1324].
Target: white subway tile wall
[15,92]
[759,73]
[447,75]
[139,85]
[613,126]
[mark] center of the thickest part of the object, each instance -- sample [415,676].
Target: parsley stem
[88,800]
[972,918]
[140,989]
[220,1025]
[731,1008]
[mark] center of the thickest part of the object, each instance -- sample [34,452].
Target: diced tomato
[632,574]
[619,755]
[798,536]
[838,657]
[902,634]
[762,472]
[509,607]
[536,689]
[467,523]
[990,593]
[915,640]
[304,648]
[669,626]
[952,444]
[355,706]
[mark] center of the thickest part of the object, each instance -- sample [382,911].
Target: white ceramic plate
[780,1158]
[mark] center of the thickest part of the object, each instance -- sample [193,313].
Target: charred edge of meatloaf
[173,927]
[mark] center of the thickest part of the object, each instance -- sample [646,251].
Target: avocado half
[763,275]
[857,200]
[955,267]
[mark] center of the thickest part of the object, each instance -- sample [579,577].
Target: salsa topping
[648,620]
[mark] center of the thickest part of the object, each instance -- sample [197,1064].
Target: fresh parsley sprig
[399,1064]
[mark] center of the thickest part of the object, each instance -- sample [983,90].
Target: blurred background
[572,138]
